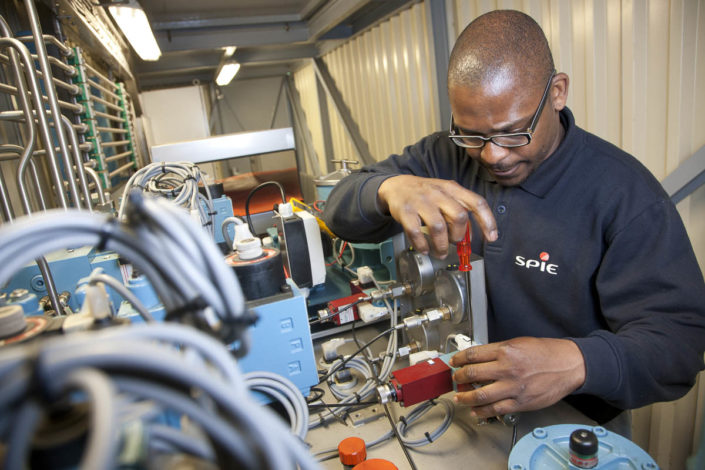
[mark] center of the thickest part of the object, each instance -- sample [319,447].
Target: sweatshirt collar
[546,176]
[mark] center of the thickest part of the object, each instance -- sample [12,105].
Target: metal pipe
[108,104]
[6,206]
[97,85]
[10,90]
[96,180]
[43,123]
[116,143]
[78,161]
[122,169]
[118,156]
[16,152]
[71,88]
[65,50]
[115,130]
[51,93]
[18,116]
[110,116]
[46,138]
[101,76]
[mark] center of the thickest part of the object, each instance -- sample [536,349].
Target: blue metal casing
[223,206]
[281,340]
[67,268]
[547,449]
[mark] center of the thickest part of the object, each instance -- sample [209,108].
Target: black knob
[583,448]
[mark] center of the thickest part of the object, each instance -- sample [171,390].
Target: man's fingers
[482,213]
[488,394]
[474,373]
[475,354]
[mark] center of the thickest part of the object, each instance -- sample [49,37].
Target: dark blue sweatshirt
[590,248]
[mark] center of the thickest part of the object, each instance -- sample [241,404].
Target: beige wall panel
[305,82]
[385,76]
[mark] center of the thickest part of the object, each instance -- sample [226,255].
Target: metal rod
[65,50]
[6,206]
[106,103]
[101,76]
[19,117]
[68,69]
[15,153]
[96,180]
[10,90]
[122,169]
[51,94]
[93,83]
[71,88]
[118,156]
[110,116]
[115,130]
[116,143]
[78,161]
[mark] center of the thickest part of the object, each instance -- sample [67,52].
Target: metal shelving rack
[107,117]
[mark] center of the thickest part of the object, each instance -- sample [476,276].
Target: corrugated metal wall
[636,69]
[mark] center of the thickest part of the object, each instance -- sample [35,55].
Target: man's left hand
[520,374]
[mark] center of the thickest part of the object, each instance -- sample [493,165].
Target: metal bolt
[18,294]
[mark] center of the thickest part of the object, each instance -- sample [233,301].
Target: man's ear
[559,91]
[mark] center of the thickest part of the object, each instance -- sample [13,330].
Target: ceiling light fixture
[227,72]
[133,22]
[229,51]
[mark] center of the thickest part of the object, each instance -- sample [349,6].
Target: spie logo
[542,263]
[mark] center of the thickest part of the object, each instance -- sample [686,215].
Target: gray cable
[98,277]
[180,440]
[284,391]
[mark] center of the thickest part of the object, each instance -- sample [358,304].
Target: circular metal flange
[416,269]
[449,287]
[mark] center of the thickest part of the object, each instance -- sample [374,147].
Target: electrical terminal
[330,349]
[365,275]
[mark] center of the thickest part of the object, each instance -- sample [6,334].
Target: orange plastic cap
[375,464]
[352,451]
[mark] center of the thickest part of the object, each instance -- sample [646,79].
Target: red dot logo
[544,256]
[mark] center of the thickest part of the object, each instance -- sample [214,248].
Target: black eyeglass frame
[529,133]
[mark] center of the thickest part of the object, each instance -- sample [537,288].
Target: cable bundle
[127,377]
[177,181]
[183,264]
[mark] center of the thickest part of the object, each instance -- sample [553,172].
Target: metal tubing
[116,143]
[110,116]
[16,152]
[106,103]
[65,50]
[6,206]
[122,169]
[96,180]
[93,83]
[101,76]
[115,130]
[78,161]
[51,94]
[43,123]
[118,156]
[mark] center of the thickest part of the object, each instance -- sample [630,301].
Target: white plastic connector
[415,358]
[242,232]
[369,312]
[330,349]
[365,275]
[249,248]
[268,242]
[463,342]
[285,209]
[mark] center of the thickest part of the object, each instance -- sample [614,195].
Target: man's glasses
[514,139]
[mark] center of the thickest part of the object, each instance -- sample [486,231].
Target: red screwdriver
[464,251]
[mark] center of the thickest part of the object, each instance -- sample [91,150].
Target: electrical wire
[252,193]
[399,439]
[97,276]
[286,393]
[119,366]
[224,228]
[162,241]
[177,181]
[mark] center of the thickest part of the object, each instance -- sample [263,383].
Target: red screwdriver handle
[464,251]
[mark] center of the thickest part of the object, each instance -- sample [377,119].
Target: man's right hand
[440,205]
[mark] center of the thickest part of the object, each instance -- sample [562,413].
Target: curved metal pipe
[51,94]
[78,161]
[41,117]
[96,180]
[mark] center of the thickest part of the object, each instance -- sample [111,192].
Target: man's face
[501,107]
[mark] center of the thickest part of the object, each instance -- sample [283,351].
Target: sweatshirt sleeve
[652,295]
[352,210]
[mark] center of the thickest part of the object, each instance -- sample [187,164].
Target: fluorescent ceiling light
[227,72]
[229,51]
[135,26]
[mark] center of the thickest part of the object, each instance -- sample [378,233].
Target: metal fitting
[386,394]
[414,321]
[323,314]
[18,295]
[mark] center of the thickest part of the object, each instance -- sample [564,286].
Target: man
[594,292]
